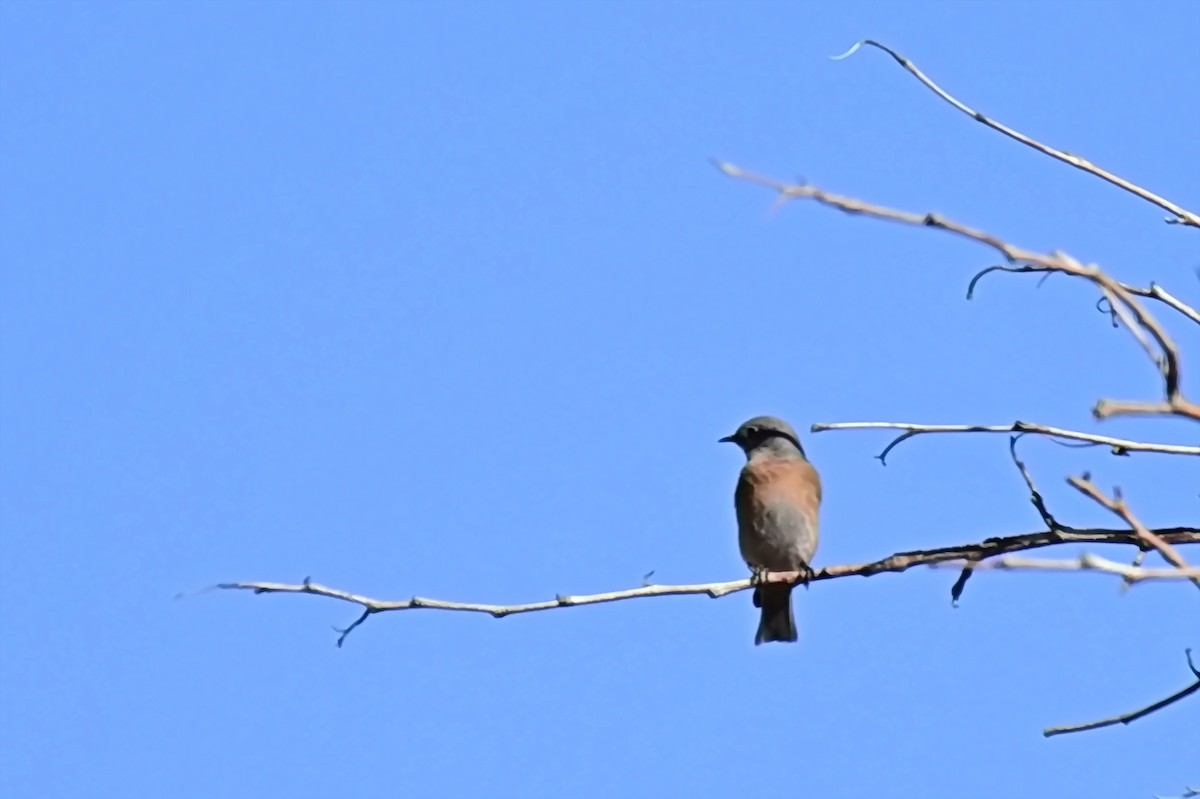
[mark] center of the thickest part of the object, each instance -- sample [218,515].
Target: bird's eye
[751,431]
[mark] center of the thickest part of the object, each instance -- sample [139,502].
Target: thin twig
[1138,558]
[850,205]
[1181,215]
[1039,504]
[1035,496]
[1157,292]
[1085,562]
[1126,718]
[1119,446]
[1120,310]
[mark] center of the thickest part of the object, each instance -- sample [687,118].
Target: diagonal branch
[1138,319]
[1119,446]
[1180,215]
[850,205]
[1119,309]
[1117,505]
[1126,718]
[898,562]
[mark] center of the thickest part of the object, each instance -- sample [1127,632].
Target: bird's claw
[758,576]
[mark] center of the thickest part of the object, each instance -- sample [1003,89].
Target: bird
[777,500]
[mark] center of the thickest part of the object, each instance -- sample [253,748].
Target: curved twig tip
[724,166]
[199,591]
[980,274]
[850,52]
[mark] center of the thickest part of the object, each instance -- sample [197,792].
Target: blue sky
[445,299]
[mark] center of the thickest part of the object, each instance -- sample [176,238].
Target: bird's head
[766,433]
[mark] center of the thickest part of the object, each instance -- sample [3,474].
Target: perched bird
[777,499]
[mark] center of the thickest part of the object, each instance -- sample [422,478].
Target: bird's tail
[776,622]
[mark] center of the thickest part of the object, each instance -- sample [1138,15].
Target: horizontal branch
[1120,446]
[1126,718]
[1085,562]
[900,561]
[1180,215]
[1106,408]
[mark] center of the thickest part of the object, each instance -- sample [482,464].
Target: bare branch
[1119,446]
[1085,562]
[1117,505]
[1126,718]
[898,562]
[850,205]
[1180,214]
[1125,304]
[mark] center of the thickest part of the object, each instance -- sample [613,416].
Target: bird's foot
[758,576]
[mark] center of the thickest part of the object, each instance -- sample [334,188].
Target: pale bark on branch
[1085,562]
[898,562]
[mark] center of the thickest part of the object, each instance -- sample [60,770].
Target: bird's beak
[726,440]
